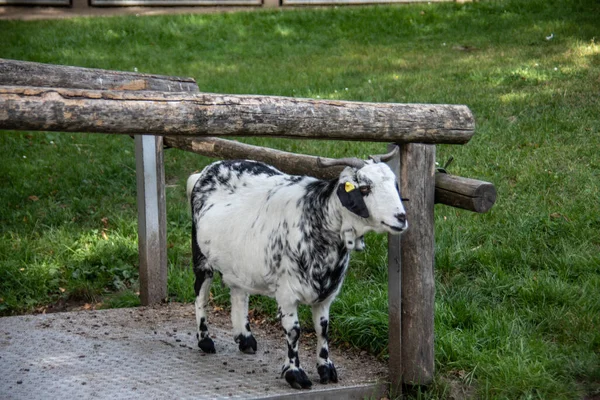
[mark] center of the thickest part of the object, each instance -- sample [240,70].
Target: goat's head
[369,190]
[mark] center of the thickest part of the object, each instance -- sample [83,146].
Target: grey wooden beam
[152,218]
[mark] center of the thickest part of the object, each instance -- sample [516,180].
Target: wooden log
[202,114]
[417,177]
[465,193]
[290,163]
[451,190]
[395,299]
[25,73]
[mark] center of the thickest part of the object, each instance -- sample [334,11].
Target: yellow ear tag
[349,187]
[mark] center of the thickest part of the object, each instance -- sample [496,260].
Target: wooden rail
[204,114]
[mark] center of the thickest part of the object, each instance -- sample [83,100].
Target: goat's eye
[364,190]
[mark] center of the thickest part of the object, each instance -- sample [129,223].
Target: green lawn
[518,289]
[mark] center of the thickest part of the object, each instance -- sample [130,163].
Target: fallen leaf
[62,290]
[33,198]
[559,215]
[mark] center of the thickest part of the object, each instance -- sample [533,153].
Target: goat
[288,237]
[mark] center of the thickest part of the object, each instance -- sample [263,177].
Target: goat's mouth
[395,228]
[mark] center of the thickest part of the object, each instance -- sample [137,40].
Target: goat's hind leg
[204,276]
[239,320]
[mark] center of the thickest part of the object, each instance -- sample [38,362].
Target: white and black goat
[288,237]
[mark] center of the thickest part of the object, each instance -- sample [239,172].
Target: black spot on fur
[203,327]
[292,355]
[293,180]
[324,354]
[324,328]
[249,167]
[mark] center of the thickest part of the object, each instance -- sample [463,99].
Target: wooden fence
[82,4]
[70,99]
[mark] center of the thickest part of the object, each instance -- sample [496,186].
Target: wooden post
[152,218]
[417,178]
[395,300]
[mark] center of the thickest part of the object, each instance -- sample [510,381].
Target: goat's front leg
[325,367]
[294,375]
[239,320]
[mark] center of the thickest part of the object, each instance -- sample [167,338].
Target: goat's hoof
[207,345]
[246,344]
[327,373]
[297,379]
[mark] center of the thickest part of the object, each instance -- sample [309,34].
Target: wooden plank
[203,114]
[26,73]
[417,171]
[395,299]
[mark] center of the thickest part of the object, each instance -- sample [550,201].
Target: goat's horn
[384,157]
[350,161]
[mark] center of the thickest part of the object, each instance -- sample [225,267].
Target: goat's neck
[342,223]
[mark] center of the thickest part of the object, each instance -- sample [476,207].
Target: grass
[517,302]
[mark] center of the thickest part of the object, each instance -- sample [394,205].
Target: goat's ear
[352,199]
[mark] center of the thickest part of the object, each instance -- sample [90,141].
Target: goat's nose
[401,218]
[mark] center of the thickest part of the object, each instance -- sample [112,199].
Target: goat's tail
[190,186]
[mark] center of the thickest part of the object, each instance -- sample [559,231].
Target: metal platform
[151,353]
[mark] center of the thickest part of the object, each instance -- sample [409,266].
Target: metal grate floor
[151,353]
